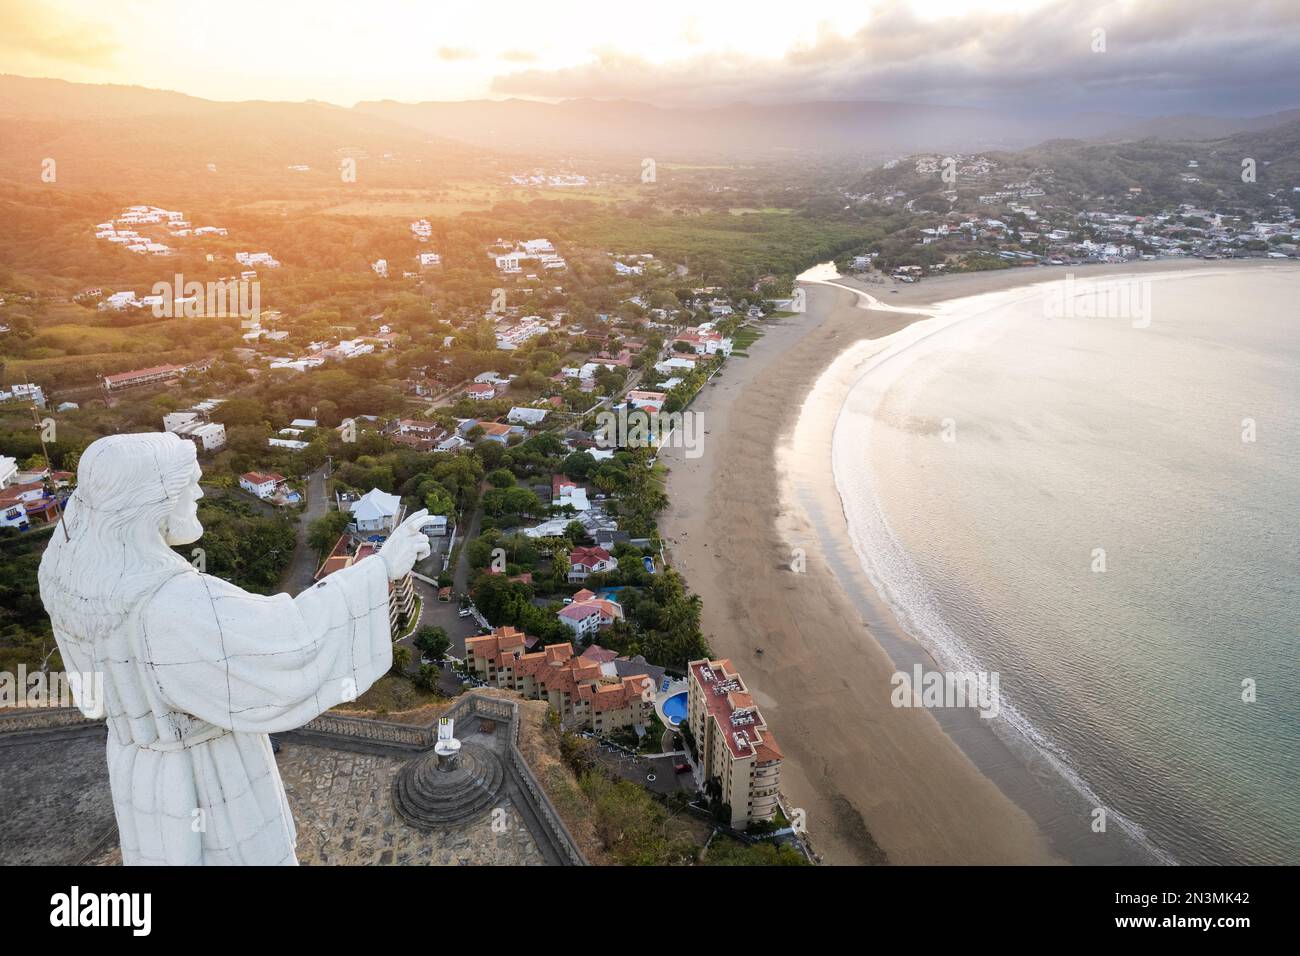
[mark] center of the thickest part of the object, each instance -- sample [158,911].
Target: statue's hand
[406,545]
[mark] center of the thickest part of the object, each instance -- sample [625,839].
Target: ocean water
[1105,510]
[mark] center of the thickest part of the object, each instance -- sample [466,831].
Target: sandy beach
[878,784]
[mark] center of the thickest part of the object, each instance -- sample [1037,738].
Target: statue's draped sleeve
[256,664]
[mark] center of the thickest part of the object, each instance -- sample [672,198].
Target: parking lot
[639,769]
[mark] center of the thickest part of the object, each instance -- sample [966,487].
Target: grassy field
[456,198]
[69,338]
[66,344]
[744,337]
[724,245]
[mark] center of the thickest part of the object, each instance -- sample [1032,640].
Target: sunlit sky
[342,52]
[657,50]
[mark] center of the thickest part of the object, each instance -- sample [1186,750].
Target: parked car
[681,768]
[463,612]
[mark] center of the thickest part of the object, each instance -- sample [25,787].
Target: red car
[682,767]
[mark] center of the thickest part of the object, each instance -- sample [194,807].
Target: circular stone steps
[429,799]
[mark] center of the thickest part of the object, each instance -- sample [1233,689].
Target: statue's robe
[195,679]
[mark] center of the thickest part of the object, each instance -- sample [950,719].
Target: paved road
[298,575]
[434,613]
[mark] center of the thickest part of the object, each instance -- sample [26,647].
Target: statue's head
[140,482]
[136,495]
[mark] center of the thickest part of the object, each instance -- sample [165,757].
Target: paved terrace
[56,808]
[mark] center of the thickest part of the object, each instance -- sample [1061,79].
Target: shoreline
[877,783]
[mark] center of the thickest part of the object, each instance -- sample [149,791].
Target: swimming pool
[675,708]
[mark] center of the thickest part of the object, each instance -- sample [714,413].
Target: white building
[348,348]
[567,492]
[263,485]
[299,365]
[584,562]
[121,300]
[376,511]
[208,436]
[257,259]
[588,613]
[526,416]
[28,392]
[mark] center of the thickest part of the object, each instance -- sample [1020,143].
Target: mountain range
[103,135]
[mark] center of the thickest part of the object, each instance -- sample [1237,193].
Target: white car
[464,612]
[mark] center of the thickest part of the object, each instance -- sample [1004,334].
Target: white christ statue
[195,671]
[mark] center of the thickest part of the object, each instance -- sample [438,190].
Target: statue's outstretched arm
[251,663]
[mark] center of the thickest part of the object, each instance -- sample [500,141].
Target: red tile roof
[588,557]
[142,372]
[731,706]
[599,654]
[556,669]
[258,478]
[496,647]
[581,610]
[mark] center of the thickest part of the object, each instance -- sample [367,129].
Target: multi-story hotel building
[584,691]
[401,593]
[732,743]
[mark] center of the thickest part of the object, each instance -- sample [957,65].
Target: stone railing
[496,708]
[33,719]
[411,737]
[405,736]
[550,816]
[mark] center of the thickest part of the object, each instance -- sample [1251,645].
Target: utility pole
[45,452]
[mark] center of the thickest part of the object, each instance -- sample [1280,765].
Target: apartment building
[401,593]
[206,435]
[587,692]
[143,376]
[732,743]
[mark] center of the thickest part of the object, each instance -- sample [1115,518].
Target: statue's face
[183,523]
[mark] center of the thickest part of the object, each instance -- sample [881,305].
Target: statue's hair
[114,551]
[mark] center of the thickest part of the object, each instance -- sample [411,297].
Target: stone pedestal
[448,787]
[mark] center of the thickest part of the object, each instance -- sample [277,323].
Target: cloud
[453,53]
[1158,55]
[519,56]
[40,33]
